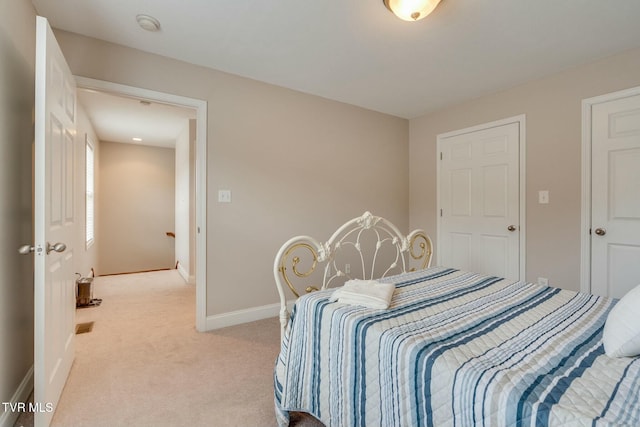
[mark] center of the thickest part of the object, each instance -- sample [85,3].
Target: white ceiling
[356,51]
[120,119]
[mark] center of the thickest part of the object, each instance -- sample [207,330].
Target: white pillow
[621,336]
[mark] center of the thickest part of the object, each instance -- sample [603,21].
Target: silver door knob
[26,249]
[512,228]
[58,247]
[600,231]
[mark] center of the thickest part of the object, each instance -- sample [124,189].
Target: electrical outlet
[543,281]
[347,268]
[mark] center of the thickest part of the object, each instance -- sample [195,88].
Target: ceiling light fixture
[137,139]
[148,23]
[411,10]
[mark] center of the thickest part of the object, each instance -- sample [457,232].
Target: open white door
[54,293]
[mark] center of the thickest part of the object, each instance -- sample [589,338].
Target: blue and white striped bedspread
[456,349]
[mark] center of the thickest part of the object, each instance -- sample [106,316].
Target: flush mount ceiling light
[148,23]
[411,10]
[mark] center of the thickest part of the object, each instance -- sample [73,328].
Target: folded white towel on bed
[368,293]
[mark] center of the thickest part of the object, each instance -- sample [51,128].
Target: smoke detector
[148,23]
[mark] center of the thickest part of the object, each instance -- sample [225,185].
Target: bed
[454,348]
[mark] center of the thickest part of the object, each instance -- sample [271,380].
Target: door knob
[600,231]
[512,228]
[58,247]
[26,249]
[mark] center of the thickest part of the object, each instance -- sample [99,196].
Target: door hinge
[441,155]
[440,212]
[589,231]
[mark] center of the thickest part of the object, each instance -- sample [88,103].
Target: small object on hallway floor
[94,302]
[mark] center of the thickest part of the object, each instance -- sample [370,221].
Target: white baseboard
[246,315]
[7,419]
[242,316]
[190,280]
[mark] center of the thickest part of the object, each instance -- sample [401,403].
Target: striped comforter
[456,349]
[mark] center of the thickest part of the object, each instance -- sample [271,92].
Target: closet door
[479,198]
[615,196]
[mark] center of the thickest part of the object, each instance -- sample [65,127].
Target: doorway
[610,204]
[200,108]
[480,201]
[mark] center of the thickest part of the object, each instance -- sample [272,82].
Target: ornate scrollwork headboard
[371,244]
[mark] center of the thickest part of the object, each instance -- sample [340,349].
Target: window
[89,198]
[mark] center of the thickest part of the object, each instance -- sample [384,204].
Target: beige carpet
[144,364]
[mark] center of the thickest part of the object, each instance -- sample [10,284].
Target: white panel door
[615,197]
[479,201]
[54,281]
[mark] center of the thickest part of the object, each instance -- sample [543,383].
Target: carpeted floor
[144,364]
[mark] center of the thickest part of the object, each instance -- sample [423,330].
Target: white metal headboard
[389,252]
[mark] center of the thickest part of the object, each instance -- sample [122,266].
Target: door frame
[200,173]
[585,222]
[521,120]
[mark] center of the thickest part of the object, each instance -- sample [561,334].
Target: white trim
[188,279]
[201,174]
[246,315]
[521,120]
[242,316]
[8,418]
[183,273]
[585,215]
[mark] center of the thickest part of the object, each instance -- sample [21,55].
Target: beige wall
[295,163]
[553,136]
[17,88]
[136,208]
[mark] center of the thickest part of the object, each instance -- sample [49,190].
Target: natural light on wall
[411,10]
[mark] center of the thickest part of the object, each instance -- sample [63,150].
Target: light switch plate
[543,197]
[224,196]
